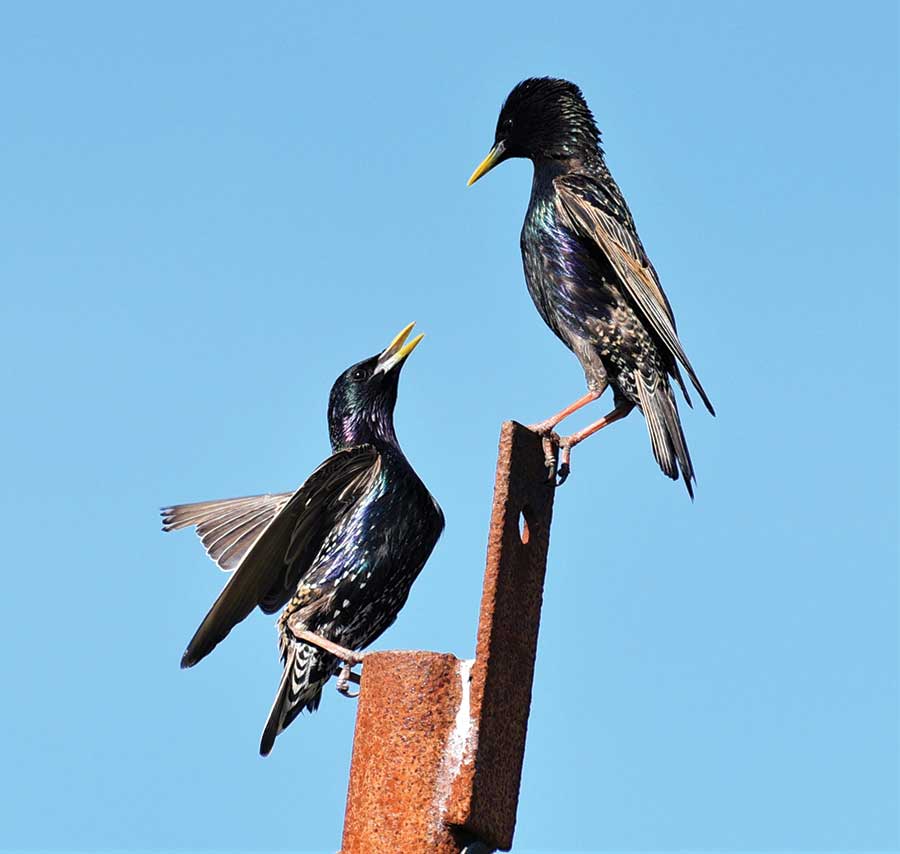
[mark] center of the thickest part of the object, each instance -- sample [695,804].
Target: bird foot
[543,428]
[568,442]
[345,677]
[565,448]
[549,442]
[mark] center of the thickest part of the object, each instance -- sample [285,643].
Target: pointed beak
[495,156]
[396,352]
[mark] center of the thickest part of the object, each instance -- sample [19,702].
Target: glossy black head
[361,406]
[543,118]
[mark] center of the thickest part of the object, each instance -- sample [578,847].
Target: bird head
[361,406]
[542,119]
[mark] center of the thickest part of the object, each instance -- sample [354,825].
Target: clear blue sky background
[210,209]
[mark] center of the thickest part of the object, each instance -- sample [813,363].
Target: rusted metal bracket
[439,742]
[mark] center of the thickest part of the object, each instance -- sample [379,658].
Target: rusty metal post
[439,742]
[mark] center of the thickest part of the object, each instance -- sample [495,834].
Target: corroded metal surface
[486,791]
[439,743]
[407,710]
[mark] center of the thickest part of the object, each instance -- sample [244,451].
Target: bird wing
[265,575]
[322,513]
[227,528]
[599,214]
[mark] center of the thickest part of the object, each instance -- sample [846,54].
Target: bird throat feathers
[362,415]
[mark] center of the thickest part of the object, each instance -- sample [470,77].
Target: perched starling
[588,273]
[341,553]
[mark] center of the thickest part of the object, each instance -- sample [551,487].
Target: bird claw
[345,677]
[550,443]
[564,470]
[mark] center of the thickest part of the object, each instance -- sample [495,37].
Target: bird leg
[347,656]
[328,646]
[545,427]
[568,442]
[549,439]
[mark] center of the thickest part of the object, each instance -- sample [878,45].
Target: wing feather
[264,575]
[600,216]
[227,528]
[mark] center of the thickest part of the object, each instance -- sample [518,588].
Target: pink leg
[347,656]
[549,439]
[568,442]
[544,427]
[326,645]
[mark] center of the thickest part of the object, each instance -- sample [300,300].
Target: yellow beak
[495,155]
[397,350]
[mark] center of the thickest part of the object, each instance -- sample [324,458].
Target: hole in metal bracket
[524,533]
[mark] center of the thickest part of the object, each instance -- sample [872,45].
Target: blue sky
[209,210]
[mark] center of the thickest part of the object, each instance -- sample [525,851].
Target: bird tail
[664,425]
[306,670]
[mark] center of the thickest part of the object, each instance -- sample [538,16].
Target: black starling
[341,552]
[588,273]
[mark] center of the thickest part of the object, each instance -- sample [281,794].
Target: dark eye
[508,124]
[359,374]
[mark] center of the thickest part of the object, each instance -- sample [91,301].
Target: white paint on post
[460,741]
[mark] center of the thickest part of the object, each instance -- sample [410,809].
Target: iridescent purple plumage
[339,555]
[588,273]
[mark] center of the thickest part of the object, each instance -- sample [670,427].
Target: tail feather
[306,670]
[664,425]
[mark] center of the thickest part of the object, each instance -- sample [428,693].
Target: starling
[339,555]
[589,275]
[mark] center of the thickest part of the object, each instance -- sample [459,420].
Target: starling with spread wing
[339,555]
[588,273]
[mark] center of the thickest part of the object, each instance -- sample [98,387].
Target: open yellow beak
[495,155]
[397,351]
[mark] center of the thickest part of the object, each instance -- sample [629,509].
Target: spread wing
[267,575]
[227,528]
[599,214]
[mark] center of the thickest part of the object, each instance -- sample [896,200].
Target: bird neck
[548,168]
[363,428]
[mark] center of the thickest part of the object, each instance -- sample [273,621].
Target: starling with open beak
[339,555]
[588,273]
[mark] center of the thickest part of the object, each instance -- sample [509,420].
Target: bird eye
[359,374]
[508,124]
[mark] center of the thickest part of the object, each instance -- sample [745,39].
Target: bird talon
[344,689]
[344,679]
[550,442]
[565,447]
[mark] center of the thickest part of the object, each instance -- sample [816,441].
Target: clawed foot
[554,447]
[565,452]
[345,677]
[550,442]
